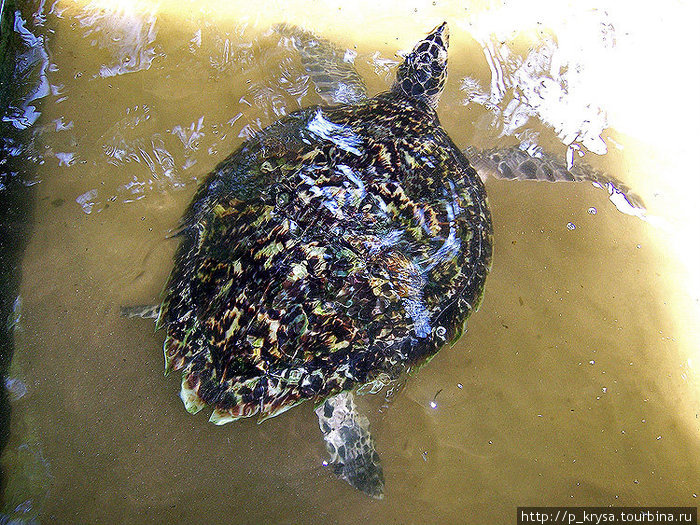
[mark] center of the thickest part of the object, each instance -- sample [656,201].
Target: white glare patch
[126,32]
[32,63]
[551,82]
[433,405]
[60,126]
[86,201]
[15,387]
[191,135]
[345,94]
[65,158]
[196,40]
[349,57]
[360,192]
[619,199]
[342,136]
[570,226]
[418,313]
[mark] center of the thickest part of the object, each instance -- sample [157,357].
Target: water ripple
[31,66]
[126,32]
[546,83]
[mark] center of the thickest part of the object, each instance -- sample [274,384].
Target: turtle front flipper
[329,68]
[350,444]
[516,164]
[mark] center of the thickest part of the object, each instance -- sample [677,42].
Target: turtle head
[423,72]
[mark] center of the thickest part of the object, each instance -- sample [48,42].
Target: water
[576,383]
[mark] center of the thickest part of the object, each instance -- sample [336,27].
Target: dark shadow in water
[14,222]
[16,79]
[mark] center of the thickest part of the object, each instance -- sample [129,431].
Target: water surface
[576,383]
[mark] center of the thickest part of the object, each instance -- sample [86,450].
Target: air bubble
[571,226]
[592,210]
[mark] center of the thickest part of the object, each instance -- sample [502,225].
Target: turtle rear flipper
[329,68]
[516,164]
[350,444]
[147,311]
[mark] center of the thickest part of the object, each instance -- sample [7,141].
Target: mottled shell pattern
[338,244]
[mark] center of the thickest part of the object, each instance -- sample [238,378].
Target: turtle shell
[339,243]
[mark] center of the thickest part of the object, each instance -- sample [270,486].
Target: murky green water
[576,383]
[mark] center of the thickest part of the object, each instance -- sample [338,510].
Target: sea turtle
[338,247]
